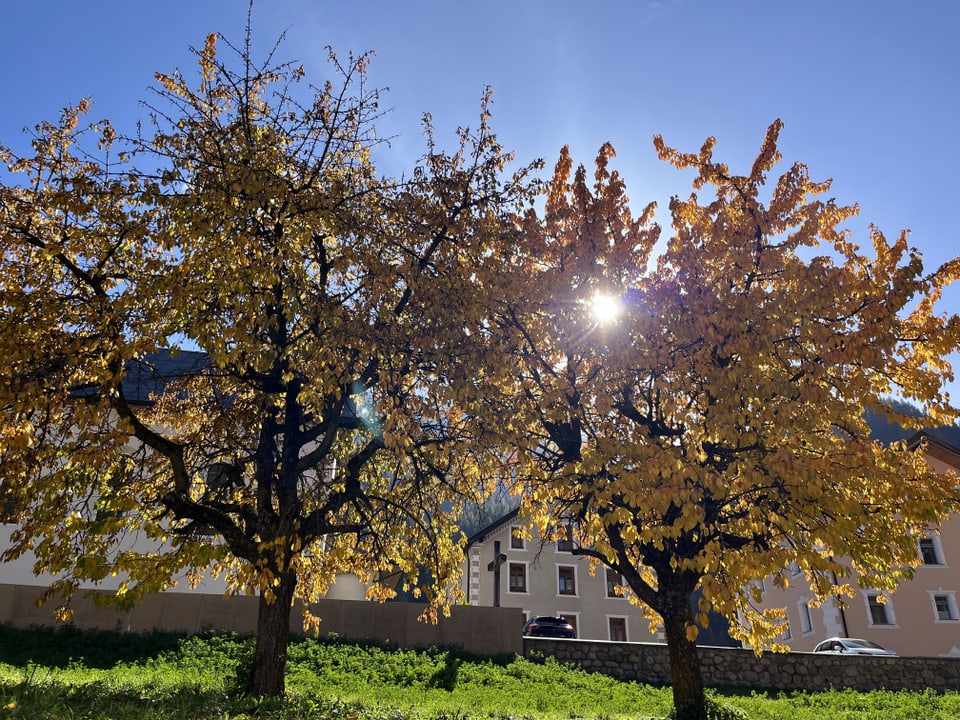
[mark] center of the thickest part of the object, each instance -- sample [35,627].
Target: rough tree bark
[688,694]
[273,637]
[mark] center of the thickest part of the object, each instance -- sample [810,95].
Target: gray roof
[481,535]
[149,375]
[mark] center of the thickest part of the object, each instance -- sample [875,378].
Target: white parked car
[852,646]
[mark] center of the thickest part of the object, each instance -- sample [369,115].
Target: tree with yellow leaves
[706,429]
[219,336]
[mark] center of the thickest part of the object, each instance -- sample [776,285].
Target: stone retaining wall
[730,667]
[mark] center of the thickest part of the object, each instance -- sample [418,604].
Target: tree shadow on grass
[445,677]
[39,696]
[58,647]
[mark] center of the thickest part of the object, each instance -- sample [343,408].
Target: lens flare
[605,308]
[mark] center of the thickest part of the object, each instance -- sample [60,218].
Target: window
[8,511]
[613,580]
[878,611]
[565,539]
[786,634]
[945,606]
[516,539]
[572,619]
[567,580]
[794,568]
[330,471]
[618,629]
[944,611]
[806,623]
[518,577]
[930,552]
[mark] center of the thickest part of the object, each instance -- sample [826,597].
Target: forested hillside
[888,432]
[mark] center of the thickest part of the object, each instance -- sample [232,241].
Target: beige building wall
[921,619]
[20,572]
[546,588]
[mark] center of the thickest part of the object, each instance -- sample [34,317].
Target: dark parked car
[852,646]
[554,627]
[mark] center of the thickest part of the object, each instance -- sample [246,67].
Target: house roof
[481,535]
[147,377]
[936,447]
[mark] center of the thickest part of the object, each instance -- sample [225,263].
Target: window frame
[625,620]
[573,580]
[517,542]
[936,550]
[526,577]
[806,619]
[949,597]
[609,589]
[871,601]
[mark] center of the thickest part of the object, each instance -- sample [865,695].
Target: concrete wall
[728,667]
[484,631]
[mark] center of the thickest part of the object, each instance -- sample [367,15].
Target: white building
[922,618]
[546,578]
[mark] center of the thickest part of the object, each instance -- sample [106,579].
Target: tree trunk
[273,636]
[689,701]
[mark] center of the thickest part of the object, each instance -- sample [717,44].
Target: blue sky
[869,90]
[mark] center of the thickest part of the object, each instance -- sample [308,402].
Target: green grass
[63,674]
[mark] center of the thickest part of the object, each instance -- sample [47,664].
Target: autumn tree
[287,308]
[707,428]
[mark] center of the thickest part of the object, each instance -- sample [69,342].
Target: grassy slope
[67,674]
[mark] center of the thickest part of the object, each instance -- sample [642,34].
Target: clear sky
[869,90]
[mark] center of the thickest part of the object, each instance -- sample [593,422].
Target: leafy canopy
[712,431]
[290,312]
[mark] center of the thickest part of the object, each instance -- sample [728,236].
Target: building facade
[921,619]
[504,569]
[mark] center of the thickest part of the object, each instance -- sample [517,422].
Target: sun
[605,308]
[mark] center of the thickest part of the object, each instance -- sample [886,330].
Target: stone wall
[734,668]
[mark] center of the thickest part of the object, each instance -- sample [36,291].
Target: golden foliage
[713,431]
[289,315]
